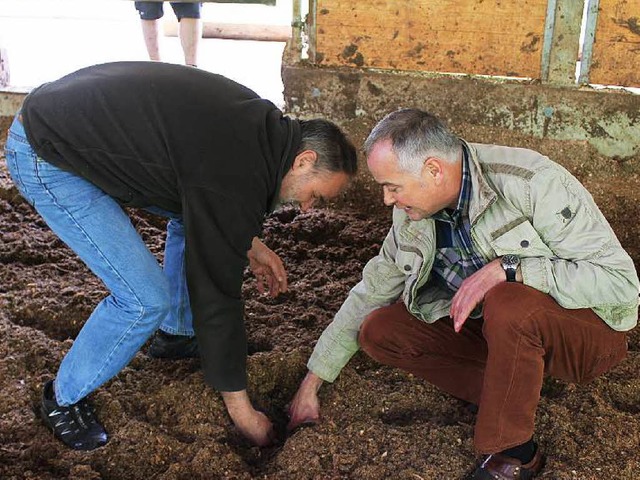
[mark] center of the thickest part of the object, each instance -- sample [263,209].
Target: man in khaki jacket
[499,268]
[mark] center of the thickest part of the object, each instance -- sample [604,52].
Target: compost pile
[377,423]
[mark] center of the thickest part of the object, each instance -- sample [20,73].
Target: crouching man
[498,270]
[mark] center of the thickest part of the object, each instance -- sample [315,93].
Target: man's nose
[388,197]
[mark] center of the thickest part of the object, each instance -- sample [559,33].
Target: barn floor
[378,423]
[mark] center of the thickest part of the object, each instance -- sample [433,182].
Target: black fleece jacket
[187,141]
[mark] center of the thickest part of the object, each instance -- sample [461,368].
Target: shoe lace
[82,413]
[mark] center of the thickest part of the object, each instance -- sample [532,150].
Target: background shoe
[501,467]
[76,425]
[165,345]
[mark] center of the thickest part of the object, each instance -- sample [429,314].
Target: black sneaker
[165,345]
[76,425]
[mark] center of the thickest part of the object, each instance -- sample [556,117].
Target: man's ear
[304,161]
[433,168]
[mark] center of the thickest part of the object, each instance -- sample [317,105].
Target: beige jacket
[521,203]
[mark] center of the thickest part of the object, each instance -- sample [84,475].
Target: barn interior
[557,76]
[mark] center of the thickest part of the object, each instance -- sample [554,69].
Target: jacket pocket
[520,238]
[408,260]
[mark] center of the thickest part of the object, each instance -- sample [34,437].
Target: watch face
[510,261]
[510,265]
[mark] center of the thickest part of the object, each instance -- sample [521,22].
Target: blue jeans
[143,296]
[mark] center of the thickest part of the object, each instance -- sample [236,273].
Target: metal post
[311,30]
[561,42]
[294,47]
[589,39]
[549,25]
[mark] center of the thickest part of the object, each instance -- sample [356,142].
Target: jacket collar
[482,195]
[294,137]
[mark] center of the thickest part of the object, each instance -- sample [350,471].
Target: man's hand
[268,268]
[305,407]
[473,290]
[254,425]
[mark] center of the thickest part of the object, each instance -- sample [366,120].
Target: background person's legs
[150,32]
[188,14]
[150,14]
[190,34]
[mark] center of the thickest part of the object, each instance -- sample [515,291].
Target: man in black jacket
[205,151]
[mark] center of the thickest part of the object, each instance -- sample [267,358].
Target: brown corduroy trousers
[497,362]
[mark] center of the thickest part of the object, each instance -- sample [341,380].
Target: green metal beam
[561,42]
[589,38]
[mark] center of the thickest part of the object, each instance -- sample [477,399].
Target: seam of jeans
[84,391]
[90,240]
[16,136]
[183,307]
[180,307]
[11,158]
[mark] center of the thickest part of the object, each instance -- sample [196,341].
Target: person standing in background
[190,31]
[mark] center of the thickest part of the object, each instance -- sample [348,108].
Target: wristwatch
[510,264]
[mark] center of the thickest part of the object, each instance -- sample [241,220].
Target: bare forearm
[237,403]
[254,425]
[311,382]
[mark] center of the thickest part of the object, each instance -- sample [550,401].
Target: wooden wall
[616,50]
[490,37]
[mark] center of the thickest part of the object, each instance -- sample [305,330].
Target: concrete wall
[10,100]
[607,120]
[366,59]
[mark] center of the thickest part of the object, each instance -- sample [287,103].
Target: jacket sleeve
[588,268]
[218,234]
[382,283]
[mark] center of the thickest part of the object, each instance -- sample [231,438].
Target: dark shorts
[154,10]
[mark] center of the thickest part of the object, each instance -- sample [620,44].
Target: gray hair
[415,135]
[335,152]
